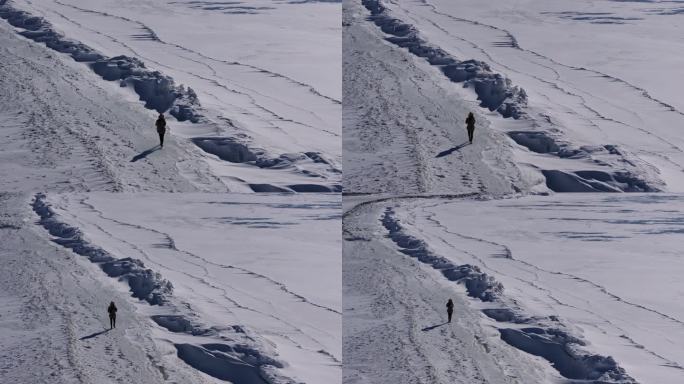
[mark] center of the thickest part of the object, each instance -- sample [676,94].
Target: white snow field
[252,88]
[211,287]
[568,97]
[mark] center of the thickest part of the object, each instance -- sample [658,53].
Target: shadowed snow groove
[546,337]
[237,364]
[495,91]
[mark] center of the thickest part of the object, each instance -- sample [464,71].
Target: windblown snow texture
[544,337]
[144,283]
[495,91]
[159,92]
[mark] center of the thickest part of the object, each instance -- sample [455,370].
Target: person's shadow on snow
[452,150]
[94,334]
[145,153]
[430,328]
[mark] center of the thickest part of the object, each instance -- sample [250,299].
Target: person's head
[111,304]
[470,114]
[450,300]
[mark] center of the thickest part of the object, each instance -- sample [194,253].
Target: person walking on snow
[161,129]
[450,309]
[470,126]
[112,315]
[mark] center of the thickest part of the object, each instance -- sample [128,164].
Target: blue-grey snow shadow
[430,328]
[94,335]
[145,153]
[225,362]
[452,150]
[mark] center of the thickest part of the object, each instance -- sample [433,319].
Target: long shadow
[94,335]
[145,153]
[430,328]
[452,150]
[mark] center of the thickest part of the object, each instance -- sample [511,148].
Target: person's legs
[161,138]
[449,313]
[114,320]
[111,321]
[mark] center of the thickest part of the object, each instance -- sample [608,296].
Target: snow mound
[629,179]
[595,181]
[564,352]
[495,91]
[40,30]
[144,283]
[181,324]
[237,364]
[478,284]
[226,149]
[159,92]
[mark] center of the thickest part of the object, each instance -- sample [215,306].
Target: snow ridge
[546,337]
[144,283]
[494,90]
[478,284]
[158,91]
[241,360]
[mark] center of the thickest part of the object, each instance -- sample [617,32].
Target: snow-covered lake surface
[260,271]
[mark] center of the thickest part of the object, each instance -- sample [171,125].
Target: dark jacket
[161,124]
[112,309]
[470,121]
[450,306]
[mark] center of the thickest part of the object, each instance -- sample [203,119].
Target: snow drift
[495,91]
[144,283]
[478,284]
[159,92]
